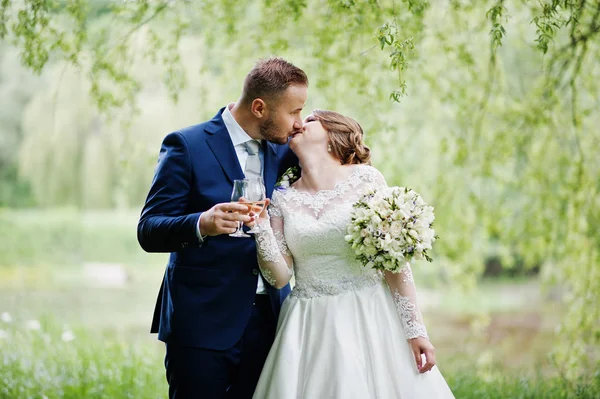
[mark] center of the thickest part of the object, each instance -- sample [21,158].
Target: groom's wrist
[201,237]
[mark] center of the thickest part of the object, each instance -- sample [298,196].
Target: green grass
[56,361]
[70,237]
[466,385]
[491,342]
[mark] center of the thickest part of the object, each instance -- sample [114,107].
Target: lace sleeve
[404,293]
[274,258]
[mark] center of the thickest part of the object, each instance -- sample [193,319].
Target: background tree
[498,120]
[17,85]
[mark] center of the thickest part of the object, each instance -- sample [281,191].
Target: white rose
[375,220]
[396,229]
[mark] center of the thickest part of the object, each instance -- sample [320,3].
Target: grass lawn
[68,332]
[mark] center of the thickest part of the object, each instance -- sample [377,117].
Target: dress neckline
[335,188]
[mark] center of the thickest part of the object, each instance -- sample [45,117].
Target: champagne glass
[257,196]
[240,188]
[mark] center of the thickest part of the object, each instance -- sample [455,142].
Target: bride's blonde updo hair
[345,137]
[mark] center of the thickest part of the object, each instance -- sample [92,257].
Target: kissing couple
[231,324]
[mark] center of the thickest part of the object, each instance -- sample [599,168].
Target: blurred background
[489,110]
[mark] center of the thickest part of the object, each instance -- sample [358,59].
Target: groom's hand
[223,218]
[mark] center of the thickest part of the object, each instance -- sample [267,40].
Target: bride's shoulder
[370,173]
[281,194]
[278,200]
[278,193]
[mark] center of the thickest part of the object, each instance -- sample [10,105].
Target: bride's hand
[264,215]
[422,346]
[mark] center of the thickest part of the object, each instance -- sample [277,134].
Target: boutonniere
[288,178]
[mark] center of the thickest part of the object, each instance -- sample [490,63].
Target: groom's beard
[270,132]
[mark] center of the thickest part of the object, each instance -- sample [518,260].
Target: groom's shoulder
[200,130]
[192,130]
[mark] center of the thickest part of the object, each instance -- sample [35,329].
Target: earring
[328,147]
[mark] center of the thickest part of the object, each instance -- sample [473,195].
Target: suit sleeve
[165,224]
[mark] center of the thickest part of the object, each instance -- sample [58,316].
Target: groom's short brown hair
[269,78]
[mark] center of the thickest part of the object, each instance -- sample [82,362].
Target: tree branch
[157,11]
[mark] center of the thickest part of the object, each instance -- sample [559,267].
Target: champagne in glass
[256,195]
[240,188]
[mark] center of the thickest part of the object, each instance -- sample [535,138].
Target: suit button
[255,272]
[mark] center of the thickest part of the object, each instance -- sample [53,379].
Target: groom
[215,313]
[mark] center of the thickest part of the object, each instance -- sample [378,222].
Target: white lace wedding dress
[343,330]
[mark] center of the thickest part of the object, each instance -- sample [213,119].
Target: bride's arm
[402,285]
[274,258]
[404,293]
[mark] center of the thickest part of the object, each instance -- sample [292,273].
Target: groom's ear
[258,108]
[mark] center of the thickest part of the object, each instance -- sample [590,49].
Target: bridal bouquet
[391,226]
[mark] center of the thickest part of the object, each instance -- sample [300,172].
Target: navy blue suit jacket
[208,289]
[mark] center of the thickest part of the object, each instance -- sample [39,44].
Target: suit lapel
[270,168]
[220,144]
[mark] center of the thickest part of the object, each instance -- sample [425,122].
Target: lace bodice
[315,227]
[307,236]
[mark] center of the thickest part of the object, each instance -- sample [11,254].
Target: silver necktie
[253,167]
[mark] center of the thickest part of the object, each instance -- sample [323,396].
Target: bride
[345,331]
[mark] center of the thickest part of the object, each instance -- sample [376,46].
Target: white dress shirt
[238,138]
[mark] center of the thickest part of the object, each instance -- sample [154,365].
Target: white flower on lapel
[288,178]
